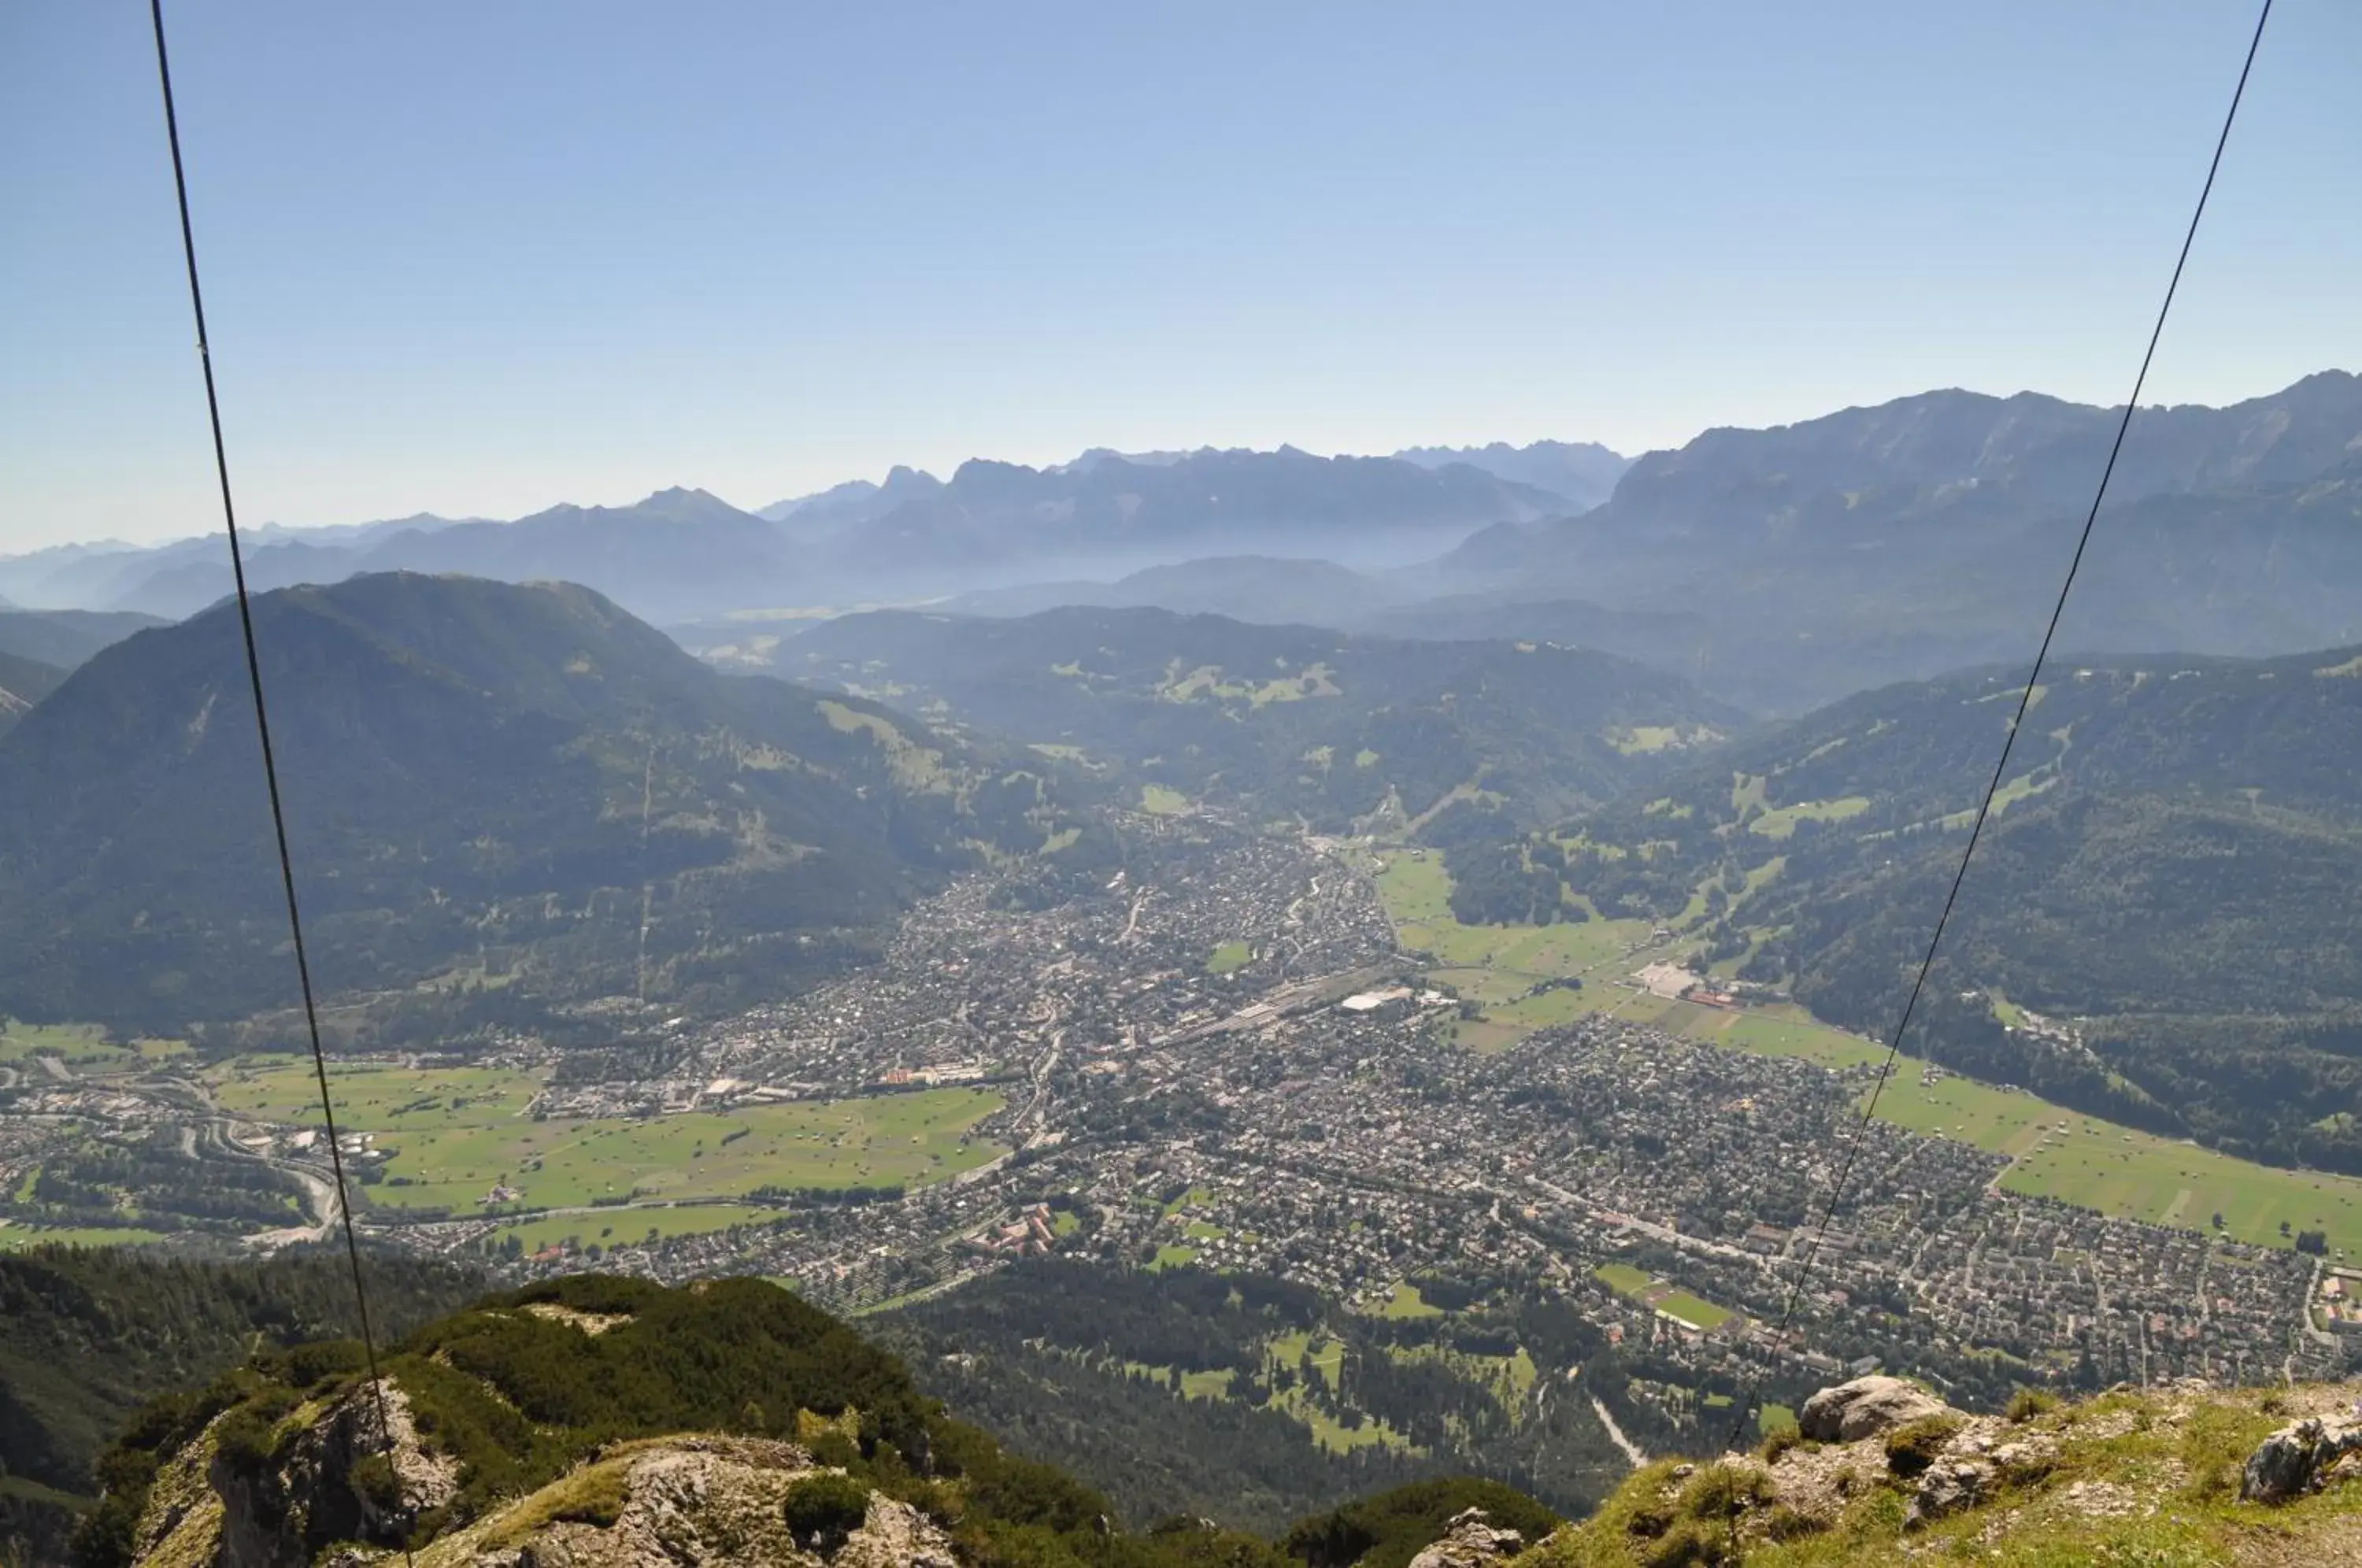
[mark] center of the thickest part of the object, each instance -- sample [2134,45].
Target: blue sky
[479,258]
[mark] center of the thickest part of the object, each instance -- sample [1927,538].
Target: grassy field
[1623,1278]
[1229,955]
[371,1098]
[907,1139]
[1406,1302]
[1158,801]
[17,1235]
[456,1133]
[1499,964]
[1170,1256]
[1779,822]
[620,1226]
[83,1047]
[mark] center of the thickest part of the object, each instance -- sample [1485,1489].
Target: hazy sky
[477,258]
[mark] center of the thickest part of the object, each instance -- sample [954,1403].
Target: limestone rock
[1946,1487]
[1866,1407]
[895,1535]
[1469,1541]
[2291,1462]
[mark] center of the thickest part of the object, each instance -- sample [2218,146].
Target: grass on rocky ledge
[2136,1479]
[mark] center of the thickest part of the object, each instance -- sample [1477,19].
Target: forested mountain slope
[65,637]
[23,682]
[2174,864]
[512,781]
[1289,719]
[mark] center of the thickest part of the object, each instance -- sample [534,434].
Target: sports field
[1229,955]
[1695,1311]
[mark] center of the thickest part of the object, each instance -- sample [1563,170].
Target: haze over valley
[885,788]
[1463,947]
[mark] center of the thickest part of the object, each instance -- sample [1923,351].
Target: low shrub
[2028,1403]
[1913,1447]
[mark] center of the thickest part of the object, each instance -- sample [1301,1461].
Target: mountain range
[483,779]
[1895,542]
[681,553]
[1584,472]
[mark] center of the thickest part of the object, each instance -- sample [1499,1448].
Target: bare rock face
[895,1535]
[2295,1458]
[1469,1541]
[1946,1487]
[326,1473]
[1866,1407]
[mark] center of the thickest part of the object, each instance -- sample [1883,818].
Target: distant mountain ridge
[682,553]
[1296,720]
[1894,542]
[23,682]
[1584,472]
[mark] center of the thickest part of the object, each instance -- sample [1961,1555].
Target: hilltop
[597,1420]
[2181,1475]
[518,786]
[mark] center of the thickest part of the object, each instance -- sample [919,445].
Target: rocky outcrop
[273,1498]
[1471,1541]
[2297,1458]
[722,1502]
[1946,1487]
[1866,1407]
[895,1535]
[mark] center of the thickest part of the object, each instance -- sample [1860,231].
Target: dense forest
[1214,1382]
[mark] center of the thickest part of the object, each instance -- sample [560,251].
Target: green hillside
[2168,881]
[521,787]
[1288,720]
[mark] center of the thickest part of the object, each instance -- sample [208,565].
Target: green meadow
[17,1235]
[620,1226]
[2056,1152]
[888,1140]
[85,1047]
[371,1096]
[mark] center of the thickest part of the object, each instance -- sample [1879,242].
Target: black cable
[2009,741]
[269,761]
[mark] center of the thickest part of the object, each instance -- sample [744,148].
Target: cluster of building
[1219,1058]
